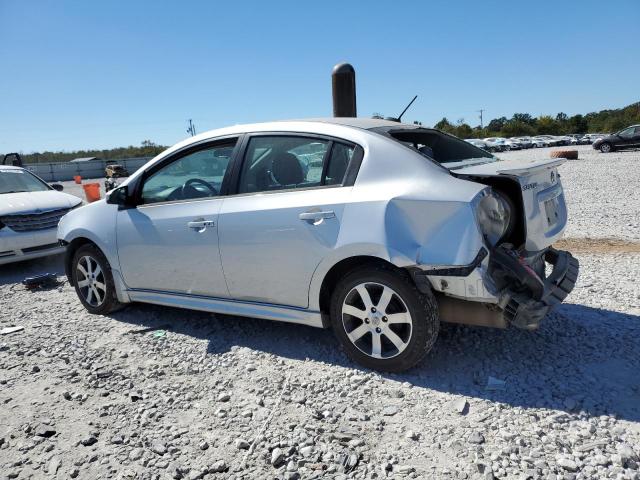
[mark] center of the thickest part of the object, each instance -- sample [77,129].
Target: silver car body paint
[260,259]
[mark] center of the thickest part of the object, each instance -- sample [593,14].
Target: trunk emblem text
[530,186]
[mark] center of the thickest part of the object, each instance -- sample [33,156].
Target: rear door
[285,216]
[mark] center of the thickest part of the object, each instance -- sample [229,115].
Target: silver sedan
[377,229]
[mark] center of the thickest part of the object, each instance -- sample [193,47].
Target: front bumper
[527,295]
[19,246]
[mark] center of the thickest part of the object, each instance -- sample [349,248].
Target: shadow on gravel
[582,358]
[16,272]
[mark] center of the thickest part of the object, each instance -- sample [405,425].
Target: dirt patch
[598,245]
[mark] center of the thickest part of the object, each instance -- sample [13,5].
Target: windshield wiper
[16,191]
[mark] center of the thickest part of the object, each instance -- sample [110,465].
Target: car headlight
[494,212]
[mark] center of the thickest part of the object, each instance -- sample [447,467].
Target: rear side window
[281,163]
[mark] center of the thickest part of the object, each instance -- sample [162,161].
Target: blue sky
[85,74]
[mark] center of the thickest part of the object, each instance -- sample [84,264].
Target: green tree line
[524,124]
[520,124]
[146,149]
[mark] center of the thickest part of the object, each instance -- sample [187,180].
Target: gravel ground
[153,392]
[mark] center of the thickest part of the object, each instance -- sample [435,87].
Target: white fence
[57,172]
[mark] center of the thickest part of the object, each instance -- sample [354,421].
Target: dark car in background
[626,138]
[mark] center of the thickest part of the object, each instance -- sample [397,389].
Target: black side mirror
[119,196]
[57,186]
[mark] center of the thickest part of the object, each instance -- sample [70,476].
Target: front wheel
[605,148]
[93,281]
[382,320]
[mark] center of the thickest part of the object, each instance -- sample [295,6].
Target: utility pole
[481,110]
[191,130]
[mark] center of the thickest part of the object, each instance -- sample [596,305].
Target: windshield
[447,150]
[14,181]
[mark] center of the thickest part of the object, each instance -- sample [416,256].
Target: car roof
[354,122]
[371,125]
[10,167]
[360,122]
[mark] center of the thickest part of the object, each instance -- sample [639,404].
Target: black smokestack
[343,82]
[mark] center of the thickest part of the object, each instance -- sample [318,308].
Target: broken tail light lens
[494,214]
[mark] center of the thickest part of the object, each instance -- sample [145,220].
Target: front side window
[281,162]
[15,181]
[627,132]
[192,176]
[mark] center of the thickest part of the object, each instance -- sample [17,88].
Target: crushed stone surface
[601,191]
[160,393]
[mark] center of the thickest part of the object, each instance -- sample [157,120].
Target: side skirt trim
[230,307]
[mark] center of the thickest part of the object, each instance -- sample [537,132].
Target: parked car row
[502,144]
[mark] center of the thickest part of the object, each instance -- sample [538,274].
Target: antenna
[407,108]
[191,129]
[397,119]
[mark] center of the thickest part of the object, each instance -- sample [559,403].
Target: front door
[285,217]
[169,242]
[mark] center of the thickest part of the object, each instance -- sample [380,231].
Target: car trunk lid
[543,198]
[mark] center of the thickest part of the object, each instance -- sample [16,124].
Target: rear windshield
[449,151]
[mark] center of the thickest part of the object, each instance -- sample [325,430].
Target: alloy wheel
[605,148]
[91,281]
[376,320]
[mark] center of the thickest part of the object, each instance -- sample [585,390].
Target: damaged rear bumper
[529,296]
[522,293]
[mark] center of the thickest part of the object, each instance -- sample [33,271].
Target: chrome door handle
[315,216]
[200,224]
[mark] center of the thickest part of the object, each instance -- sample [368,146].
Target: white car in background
[30,210]
[550,140]
[499,144]
[513,144]
[480,144]
[538,142]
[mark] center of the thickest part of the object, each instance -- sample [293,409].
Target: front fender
[95,222]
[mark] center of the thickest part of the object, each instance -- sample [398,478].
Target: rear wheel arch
[342,268]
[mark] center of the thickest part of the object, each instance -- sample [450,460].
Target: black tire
[109,301]
[422,308]
[606,147]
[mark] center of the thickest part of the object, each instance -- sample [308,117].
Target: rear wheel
[382,320]
[605,147]
[93,281]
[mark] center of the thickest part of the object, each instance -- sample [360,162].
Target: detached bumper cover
[529,297]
